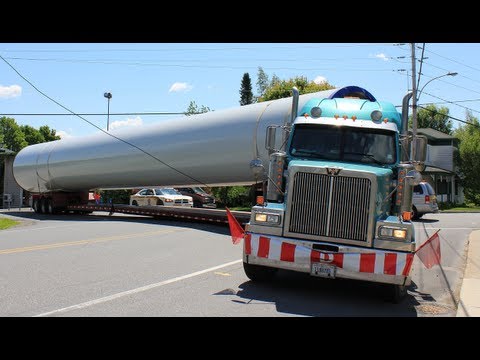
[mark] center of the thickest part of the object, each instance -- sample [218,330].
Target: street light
[108,96]
[435,78]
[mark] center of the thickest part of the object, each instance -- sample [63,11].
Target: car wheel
[134,203]
[197,204]
[160,202]
[258,273]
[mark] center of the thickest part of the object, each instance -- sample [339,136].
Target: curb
[469,302]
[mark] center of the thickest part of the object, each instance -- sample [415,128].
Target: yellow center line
[83,242]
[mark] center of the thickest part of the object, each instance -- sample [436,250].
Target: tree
[468,159]
[11,136]
[434,118]
[279,89]
[246,94]
[32,135]
[193,109]
[262,81]
[48,134]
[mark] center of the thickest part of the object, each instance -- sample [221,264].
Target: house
[11,193]
[440,170]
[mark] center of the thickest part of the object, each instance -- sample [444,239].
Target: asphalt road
[97,265]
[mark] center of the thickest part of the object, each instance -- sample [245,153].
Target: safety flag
[236,229]
[429,253]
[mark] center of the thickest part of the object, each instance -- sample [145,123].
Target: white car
[161,197]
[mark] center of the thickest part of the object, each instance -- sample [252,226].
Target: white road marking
[137,290]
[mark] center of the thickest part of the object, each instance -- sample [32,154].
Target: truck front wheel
[258,273]
[397,293]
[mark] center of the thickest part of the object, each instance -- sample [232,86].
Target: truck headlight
[392,232]
[267,218]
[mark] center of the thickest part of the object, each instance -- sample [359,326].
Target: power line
[450,102]
[296,46]
[451,117]
[97,127]
[453,84]
[188,66]
[441,68]
[98,114]
[455,61]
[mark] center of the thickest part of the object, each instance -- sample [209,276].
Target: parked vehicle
[200,197]
[161,197]
[424,200]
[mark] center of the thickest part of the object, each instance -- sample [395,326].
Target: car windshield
[199,190]
[166,192]
[343,143]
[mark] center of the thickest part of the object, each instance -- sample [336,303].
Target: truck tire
[396,293]
[258,273]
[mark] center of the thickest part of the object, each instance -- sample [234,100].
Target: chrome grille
[330,206]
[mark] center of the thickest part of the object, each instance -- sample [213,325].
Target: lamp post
[108,96]
[416,97]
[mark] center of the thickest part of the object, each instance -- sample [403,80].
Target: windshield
[166,192]
[199,190]
[344,143]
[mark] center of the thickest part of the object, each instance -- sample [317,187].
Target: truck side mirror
[270,138]
[420,152]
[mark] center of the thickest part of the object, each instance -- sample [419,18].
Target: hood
[364,168]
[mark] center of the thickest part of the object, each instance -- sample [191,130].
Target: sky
[165,77]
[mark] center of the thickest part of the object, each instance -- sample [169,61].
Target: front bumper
[350,262]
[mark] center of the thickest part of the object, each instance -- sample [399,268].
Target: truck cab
[338,201]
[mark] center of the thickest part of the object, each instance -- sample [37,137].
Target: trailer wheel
[134,203]
[36,205]
[258,273]
[43,205]
[50,206]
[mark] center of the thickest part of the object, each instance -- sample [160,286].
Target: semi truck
[335,167]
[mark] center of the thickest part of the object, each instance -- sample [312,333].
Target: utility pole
[414,104]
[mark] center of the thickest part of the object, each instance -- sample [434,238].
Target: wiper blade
[370,156]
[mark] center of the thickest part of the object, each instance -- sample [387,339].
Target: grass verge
[7,223]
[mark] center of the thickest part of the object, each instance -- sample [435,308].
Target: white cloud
[63,134]
[124,123]
[382,56]
[180,86]
[7,92]
[319,80]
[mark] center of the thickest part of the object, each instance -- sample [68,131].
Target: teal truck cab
[338,195]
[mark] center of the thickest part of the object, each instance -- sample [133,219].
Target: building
[440,170]
[11,193]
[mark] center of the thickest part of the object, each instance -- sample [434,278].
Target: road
[98,265]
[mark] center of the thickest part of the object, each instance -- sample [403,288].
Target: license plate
[323,270]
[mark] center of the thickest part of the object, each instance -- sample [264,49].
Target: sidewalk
[469,304]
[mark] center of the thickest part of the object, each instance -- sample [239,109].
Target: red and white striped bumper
[350,262]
